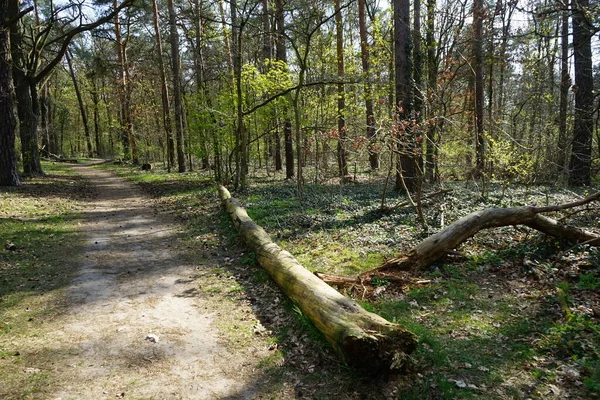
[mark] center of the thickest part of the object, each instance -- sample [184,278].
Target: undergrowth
[514,318]
[37,227]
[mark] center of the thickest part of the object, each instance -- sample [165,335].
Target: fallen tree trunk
[436,246]
[362,339]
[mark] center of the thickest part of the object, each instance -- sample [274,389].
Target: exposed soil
[137,326]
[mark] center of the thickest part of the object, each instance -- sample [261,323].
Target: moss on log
[362,339]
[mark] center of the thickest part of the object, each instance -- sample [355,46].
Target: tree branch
[291,89]
[17,17]
[68,37]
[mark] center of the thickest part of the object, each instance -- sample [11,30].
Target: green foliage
[249,259]
[589,281]
[510,162]
[376,281]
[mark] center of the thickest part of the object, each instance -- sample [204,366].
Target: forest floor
[111,293]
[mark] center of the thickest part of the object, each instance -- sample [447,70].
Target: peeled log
[362,339]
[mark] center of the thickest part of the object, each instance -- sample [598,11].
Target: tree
[32,66]
[432,73]
[583,125]
[367,87]
[407,170]
[341,96]
[164,91]
[177,96]
[478,15]
[565,84]
[281,53]
[82,110]
[8,157]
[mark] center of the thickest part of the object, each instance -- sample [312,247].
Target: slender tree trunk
[267,38]
[431,92]
[418,72]
[84,119]
[282,56]
[9,175]
[44,121]
[179,114]
[341,96]
[164,92]
[241,140]
[218,167]
[198,61]
[96,101]
[227,38]
[407,168]
[364,58]
[122,88]
[565,84]
[581,152]
[478,12]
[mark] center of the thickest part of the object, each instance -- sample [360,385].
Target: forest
[420,181]
[429,92]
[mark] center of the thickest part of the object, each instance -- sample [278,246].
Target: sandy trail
[135,286]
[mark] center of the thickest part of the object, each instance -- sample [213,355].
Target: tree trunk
[431,92]
[436,246]
[364,58]
[418,78]
[9,175]
[277,138]
[565,84]
[176,68]
[96,101]
[164,92]
[84,119]
[341,96]
[199,66]
[362,339]
[478,69]
[583,126]
[25,91]
[267,38]
[241,133]
[282,56]
[122,88]
[407,173]
[44,117]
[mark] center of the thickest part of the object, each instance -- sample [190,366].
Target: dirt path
[136,327]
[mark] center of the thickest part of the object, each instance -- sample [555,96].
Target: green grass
[486,321]
[40,218]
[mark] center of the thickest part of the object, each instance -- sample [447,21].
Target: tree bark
[84,119]
[25,91]
[341,95]
[96,101]
[436,246]
[125,117]
[177,97]
[281,53]
[583,125]
[362,339]
[565,84]
[432,67]
[407,173]
[164,91]
[478,69]
[9,175]
[364,58]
